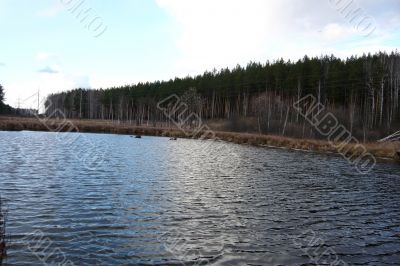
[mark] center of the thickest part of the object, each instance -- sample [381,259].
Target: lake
[97,199]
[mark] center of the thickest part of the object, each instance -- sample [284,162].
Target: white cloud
[43,56]
[25,92]
[220,33]
[227,32]
[49,78]
[334,32]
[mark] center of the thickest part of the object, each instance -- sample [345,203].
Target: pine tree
[362,92]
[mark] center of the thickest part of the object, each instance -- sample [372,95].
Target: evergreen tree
[362,92]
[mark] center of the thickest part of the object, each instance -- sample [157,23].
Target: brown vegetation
[380,150]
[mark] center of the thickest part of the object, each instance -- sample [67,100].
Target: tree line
[5,108]
[361,91]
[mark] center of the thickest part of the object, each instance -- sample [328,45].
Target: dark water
[115,200]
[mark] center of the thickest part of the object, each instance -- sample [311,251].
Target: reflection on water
[155,201]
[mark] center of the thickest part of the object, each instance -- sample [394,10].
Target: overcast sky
[45,44]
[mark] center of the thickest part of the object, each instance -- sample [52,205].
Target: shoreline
[381,151]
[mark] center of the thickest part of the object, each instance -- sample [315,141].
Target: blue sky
[46,45]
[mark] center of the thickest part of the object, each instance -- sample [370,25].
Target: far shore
[382,151]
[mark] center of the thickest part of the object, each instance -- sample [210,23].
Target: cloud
[49,70]
[43,56]
[2,64]
[220,33]
[227,32]
[24,92]
[334,32]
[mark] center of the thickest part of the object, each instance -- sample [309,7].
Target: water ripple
[159,202]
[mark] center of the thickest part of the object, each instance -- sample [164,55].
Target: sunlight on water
[155,201]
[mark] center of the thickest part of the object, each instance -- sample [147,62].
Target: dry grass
[387,150]
[380,150]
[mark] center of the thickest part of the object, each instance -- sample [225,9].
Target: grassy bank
[379,150]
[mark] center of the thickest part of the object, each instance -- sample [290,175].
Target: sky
[55,45]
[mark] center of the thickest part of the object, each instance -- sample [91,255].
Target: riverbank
[386,151]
